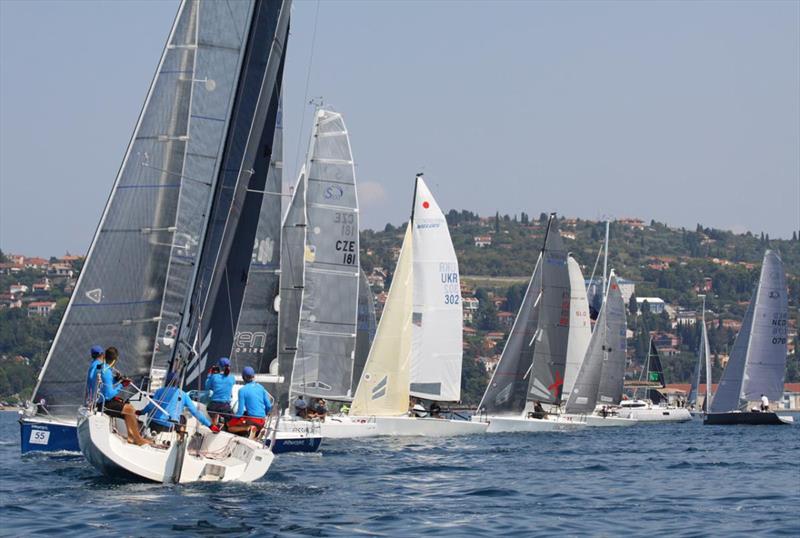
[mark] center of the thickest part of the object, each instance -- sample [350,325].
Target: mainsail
[600,379]
[702,352]
[550,341]
[507,390]
[255,340]
[580,328]
[653,374]
[133,285]
[757,362]
[437,332]
[384,385]
[323,363]
[367,324]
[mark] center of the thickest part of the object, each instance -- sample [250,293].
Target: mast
[605,261]
[707,357]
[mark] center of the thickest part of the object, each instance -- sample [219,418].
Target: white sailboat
[703,359]
[757,364]
[531,370]
[417,345]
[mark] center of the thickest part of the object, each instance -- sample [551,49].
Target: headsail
[507,390]
[323,364]
[384,385]
[702,351]
[654,374]
[757,362]
[255,339]
[580,329]
[133,284]
[437,348]
[367,324]
[550,342]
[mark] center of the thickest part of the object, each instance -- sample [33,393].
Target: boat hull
[656,414]
[752,418]
[611,421]
[42,434]
[345,427]
[202,457]
[500,424]
[287,442]
[427,427]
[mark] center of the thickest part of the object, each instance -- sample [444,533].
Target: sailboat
[580,327]
[598,386]
[703,359]
[209,119]
[655,407]
[417,348]
[757,363]
[532,365]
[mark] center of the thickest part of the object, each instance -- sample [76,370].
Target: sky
[682,112]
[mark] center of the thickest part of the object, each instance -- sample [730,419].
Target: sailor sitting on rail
[173,400]
[254,404]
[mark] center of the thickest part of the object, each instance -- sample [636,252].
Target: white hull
[205,456]
[498,424]
[427,427]
[656,414]
[599,421]
[345,427]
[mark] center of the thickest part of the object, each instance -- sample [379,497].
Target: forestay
[170,163]
[255,340]
[580,330]
[757,362]
[506,393]
[550,342]
[384,386]
[437,319]
[323,364]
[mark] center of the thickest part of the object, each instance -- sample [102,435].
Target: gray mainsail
[366,325]
[255,341]
[323,364]
[702,357]
[550,342]
[757,363]
[149,228]
[507,390]
[293,239]
[600,378]
[221,273]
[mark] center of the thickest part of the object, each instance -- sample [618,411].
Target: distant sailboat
[530,372]
[703,360]
[417,345]
[757,363]
[600,380]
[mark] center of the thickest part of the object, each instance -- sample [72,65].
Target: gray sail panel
[323,364]
[366,325]
[213,81]
[221,274]
[119,294]
[583,397]
[729,390]
[655,374]
[550,344]
[255,340]
[765,370]
[507,390]
[292,269]
[612,377]
[691,399]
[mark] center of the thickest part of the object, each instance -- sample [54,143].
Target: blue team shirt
[173,400]
[221,387]
[255,400]
[91,380]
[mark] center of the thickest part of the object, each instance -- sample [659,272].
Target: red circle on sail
[426,205]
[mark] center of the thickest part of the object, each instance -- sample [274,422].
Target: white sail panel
[437,319]
[384,386]
[580,328]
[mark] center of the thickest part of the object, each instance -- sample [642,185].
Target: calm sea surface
[672,480]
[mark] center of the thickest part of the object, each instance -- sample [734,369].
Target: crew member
[538,410]
[254,404]
[173,401]
[764,403]
[300,407]
[436,410]
[91,377]
[220,383]
[319,410]
[110,396]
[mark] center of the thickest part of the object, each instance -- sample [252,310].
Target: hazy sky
[683,112]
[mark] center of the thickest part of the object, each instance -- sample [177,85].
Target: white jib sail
[384,386]
[436,351]
[580,330]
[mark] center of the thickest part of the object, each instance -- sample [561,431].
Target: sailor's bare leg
[132,425]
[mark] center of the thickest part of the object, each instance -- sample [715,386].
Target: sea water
[647,480]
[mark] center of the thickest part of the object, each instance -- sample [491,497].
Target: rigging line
[591,279]
[305,94]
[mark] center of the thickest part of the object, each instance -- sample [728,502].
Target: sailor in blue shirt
[254,404]
[173,400]
[91,376]
[220,383]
